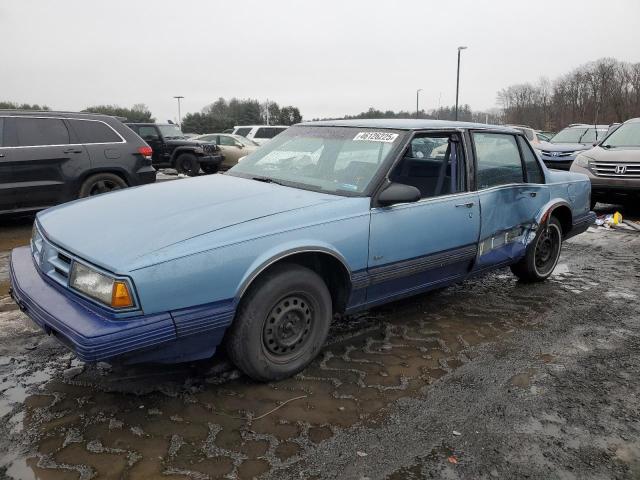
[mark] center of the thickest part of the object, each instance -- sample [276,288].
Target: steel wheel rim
[547,249]
[103,186]
[288,327]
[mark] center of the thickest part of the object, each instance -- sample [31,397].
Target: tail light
[146,152]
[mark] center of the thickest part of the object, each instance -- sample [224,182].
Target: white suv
[260,134]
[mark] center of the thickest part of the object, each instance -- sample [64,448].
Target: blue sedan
[329,217]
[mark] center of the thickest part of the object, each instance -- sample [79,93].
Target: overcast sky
[328,57]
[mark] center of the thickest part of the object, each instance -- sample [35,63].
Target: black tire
[281,324]
[101,183]
[188,164]
[209,169]
[542,255]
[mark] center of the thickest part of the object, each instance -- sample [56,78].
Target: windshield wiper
[267,180]
[607,146]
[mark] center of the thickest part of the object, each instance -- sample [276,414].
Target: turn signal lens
[121,297]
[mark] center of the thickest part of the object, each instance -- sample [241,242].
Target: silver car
[614,165]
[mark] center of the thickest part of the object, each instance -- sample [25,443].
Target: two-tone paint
[191,266]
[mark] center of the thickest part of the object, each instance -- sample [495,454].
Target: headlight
[582,161]
[109,291]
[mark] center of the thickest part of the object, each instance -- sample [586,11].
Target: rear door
[150,134]
[45,163]
[511,191]
[7,199]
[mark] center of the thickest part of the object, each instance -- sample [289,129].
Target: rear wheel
[542,255]
[209,169]
[187,163]
[281,324]
[101,183]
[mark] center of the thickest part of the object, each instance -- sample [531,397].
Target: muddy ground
[488,379]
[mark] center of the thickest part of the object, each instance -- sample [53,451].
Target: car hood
[563,147]
[115,229]
[617,155]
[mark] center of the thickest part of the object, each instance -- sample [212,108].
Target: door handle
[468,205]
[531,194]
[72,150]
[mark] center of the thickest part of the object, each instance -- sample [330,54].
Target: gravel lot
[488,379]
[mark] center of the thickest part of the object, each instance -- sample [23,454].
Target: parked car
[260,134]
[171,148]
[534,136]
[330,217]
[613,166]
[559,152]
[233,147]
[47,158]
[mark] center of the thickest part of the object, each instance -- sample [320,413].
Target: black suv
[171,148]
[48,158]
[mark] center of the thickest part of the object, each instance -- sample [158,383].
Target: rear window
[268,132]
[243,132]
[91,131]
[41,131]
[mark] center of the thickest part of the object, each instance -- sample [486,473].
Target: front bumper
[92,334]
[610,186]
[212,160]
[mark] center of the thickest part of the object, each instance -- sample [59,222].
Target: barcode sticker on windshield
[376,137]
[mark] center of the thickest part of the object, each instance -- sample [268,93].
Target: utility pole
[458,80]
[179,97]
[418,102]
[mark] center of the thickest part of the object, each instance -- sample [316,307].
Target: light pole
[179,97]
[458,80]
[418,102]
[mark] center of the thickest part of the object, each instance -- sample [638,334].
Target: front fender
[180,150]
[283,251]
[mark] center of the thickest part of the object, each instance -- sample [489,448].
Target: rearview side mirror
[398,193]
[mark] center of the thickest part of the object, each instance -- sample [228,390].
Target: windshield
[245,141]
[578,135]
[626,135]
[170,131]
[330,159]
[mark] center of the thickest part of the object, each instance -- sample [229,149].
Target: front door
[511,189]
[42,160]
[7,200]
[417,246]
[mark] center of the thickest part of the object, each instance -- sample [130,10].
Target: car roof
[52,113]
[406,124]
[259,126]
[631,120]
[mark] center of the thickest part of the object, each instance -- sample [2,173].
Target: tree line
[600,92]
[223,114]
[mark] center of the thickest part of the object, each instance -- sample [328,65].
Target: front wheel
[542,255]
[281,324]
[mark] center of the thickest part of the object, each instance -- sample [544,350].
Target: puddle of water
[150,421]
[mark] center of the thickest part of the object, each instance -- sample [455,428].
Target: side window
[41,131]
[534,172]
[498,160]
[243,132]
[148,133]
[228,141]
[434,164]
[94,132]
[268,132]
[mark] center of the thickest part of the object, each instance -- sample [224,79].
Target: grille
[618,170]
[210,147]
[50,260]
[557,154]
